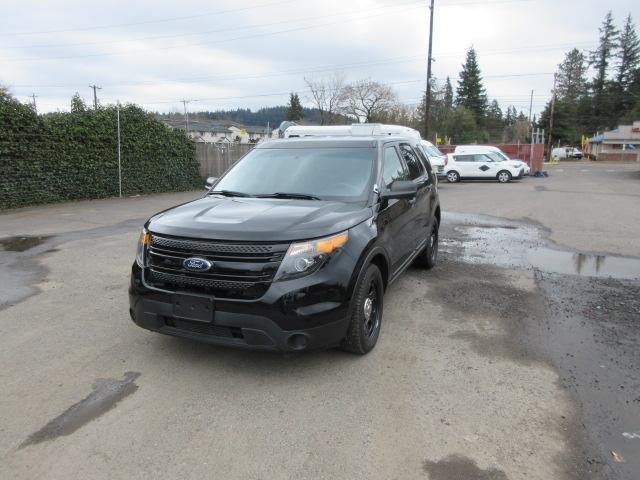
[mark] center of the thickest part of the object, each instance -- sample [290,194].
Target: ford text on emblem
[196,264]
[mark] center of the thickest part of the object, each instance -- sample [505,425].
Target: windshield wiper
[297,196]
[230,193]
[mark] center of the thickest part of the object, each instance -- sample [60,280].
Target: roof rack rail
[353,130]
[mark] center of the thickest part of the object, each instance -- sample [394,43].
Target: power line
[146,22]
[130,52]
[211,42]
[206,32]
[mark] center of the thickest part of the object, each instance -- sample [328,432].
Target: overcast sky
[251,53]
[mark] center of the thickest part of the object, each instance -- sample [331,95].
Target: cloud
[156,54]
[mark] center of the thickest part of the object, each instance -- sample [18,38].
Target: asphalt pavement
[516,357]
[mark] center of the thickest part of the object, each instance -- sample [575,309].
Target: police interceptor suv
[292,248]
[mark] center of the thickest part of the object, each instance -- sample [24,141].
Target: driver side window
[392,169]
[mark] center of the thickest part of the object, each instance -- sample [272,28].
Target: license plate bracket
[188,307]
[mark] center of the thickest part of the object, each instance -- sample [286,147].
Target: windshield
[502,155]
[342,174]
[432,151]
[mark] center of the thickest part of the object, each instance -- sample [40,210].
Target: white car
[491,149]
[437,159]
[482,165]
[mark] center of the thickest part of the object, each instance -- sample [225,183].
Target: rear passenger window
[392,169]
[410,158]
[464,158]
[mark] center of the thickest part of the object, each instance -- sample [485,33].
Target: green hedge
[66,156]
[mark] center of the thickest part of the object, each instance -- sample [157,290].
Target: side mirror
[209,182]
[400,189]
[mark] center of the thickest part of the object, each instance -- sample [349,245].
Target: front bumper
[308,313]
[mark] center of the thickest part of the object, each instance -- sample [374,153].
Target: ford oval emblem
[195,264]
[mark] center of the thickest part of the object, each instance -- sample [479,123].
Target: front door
[395,215]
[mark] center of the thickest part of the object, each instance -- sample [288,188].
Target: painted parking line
[585,171]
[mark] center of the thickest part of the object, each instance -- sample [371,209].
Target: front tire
[366,316]
[504,176]
[428,257]
[453,176]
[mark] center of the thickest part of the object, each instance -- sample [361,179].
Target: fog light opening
[297,341]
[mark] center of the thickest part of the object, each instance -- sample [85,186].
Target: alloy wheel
[371,310]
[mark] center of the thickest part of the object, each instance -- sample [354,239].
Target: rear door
[464,165]
[395,216]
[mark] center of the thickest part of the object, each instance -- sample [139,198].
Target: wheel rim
[503,177]
[371,310]
[452,177]
[433,244]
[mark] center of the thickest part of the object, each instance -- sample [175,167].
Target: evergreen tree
[494,122]
[77,104]
[571,79]
[604,93]
[294,108]
[470,92]
[448,94]
[601,57]
[461,126]
[628,55]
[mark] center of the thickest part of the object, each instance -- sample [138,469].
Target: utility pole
[427,106]
[119,158]
[186,115]
[531,128]
[34,96]
[95,95]
[553,107]
[530,106]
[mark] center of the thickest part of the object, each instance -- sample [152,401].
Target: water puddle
[584,264]
[479,239]
[107,392]
[21,244]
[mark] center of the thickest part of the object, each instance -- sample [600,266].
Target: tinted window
[393,169]
[482,158]
[464,158]
[410,158]
[335,173]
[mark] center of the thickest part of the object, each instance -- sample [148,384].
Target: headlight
[304,258]
[143,241]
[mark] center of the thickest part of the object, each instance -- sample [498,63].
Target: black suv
[293,248]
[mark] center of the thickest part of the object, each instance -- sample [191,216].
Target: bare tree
[401,114]
[326,95]
[366,100]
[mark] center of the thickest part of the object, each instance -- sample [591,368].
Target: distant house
[619,144]
[249,133]
[217,131]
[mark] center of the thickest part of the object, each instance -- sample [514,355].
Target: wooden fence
[215,159]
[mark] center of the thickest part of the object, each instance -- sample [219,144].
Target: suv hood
[257,219]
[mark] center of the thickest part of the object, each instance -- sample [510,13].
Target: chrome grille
[240,270]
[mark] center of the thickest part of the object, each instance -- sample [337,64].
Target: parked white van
[436,157]
[481,166]
[565,152]
[496,150]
